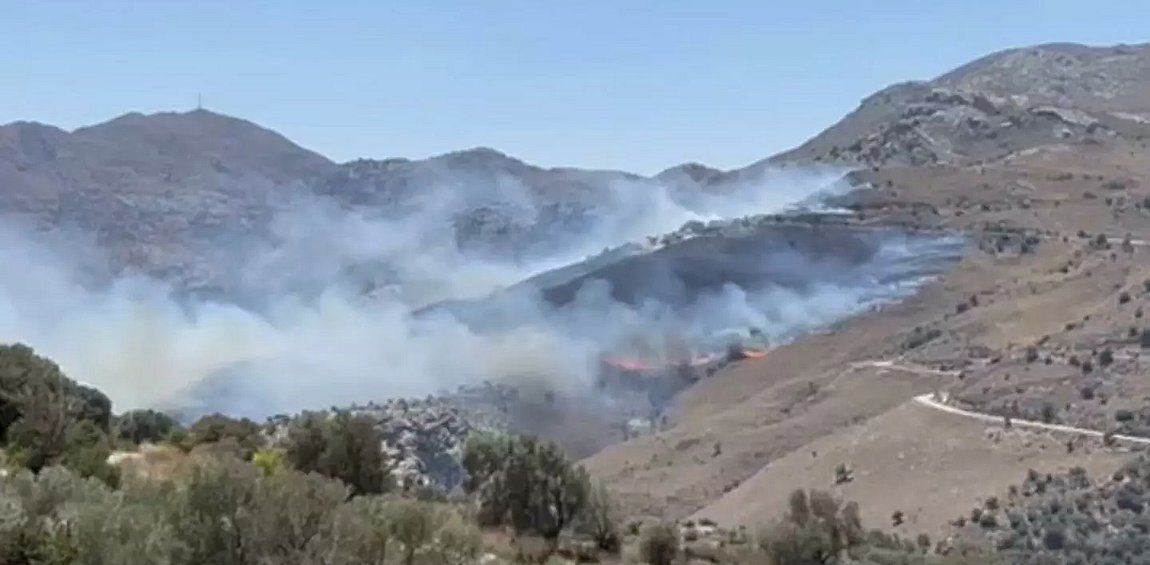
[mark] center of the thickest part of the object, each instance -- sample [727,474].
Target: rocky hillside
[181,196]
[998,105]
[160,192]
[156,191]
[490,202]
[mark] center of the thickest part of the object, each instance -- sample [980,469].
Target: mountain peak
[478,156]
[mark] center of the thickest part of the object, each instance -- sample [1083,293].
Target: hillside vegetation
[322,495]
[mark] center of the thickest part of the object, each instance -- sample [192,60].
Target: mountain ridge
[161,190]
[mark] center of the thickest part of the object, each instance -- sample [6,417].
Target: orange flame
[629,364]
[754,353]
[638,365]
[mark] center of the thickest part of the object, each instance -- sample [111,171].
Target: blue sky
[597,83]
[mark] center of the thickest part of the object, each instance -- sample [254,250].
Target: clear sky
[595,83]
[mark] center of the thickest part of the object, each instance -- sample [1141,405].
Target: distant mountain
[1000,104]
[174,194]
[493,202]
[160,192]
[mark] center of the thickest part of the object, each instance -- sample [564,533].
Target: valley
[934,300]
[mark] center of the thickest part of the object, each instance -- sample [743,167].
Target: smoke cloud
[331,308]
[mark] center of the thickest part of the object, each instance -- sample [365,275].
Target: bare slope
[1000,104]
[1048,193]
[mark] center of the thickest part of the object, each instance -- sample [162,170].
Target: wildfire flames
[638,365]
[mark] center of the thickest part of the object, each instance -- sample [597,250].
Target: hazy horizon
[600,85]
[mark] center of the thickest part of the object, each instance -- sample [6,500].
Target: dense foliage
[225,512]
[1071,518]
[525,483]
[48,419]
[318,491]
[344,446]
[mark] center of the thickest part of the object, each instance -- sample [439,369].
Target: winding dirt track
[930,401]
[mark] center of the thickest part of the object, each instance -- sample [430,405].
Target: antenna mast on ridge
[199,101]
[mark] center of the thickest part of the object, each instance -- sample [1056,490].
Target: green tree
[140,426]
[600,519]
[218,428]
[659,544]
[353,453]
[289,518]
[525,483]
[413,526]
[816,529]
[306,441]
[24,376]
[344,446]
[208,508]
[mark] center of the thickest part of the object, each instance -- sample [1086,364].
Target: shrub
[599,520]
[919,337]
[140,426]
[1087,392]
[525,483]
[217,428]
[223,511]
[843,474]
[305,444]
[992,503]
[281,515]
[1106,357]
[659,544]
[413,525]
[27,377]
[268,461]
[1031,354]
[816,529]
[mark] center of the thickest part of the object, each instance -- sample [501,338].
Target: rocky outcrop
[174,194]
[423,438]
[939,125]
[993,107]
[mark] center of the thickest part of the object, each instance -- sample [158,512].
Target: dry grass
[930,465]
[768,415]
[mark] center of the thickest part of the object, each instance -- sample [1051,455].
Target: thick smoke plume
[310,329]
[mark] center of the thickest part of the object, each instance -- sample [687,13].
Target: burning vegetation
[661,377]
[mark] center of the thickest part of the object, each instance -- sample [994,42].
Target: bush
[144,426]
[1031,354]
[268,461]
[600,519]
[919,337]
[217,428]
[525,483]
[1106,357]
[344,446]
[223,511]
[305,444]
[659,544]
[816,529]
[27,377]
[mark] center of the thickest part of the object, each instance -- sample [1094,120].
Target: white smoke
[144,347]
